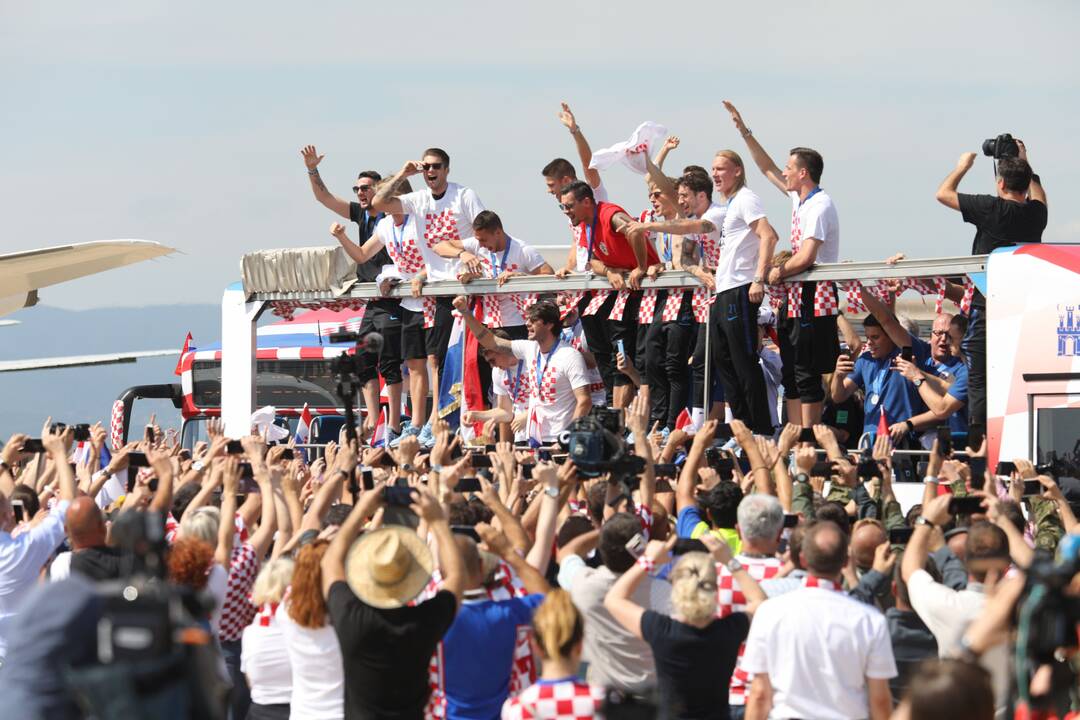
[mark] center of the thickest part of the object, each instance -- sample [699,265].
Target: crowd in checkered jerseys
[751,569]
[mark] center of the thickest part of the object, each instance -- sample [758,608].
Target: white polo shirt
[818,647]
[740,246]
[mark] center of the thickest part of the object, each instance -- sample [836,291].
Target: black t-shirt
[386,652]
[693,664]
[1001,223]
[97,563]
[367,272]
[847,416]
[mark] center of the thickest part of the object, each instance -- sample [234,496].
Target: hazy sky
[181,122]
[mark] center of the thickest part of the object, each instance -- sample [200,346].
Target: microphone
[372,343]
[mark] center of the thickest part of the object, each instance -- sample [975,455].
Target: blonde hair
[272,582]
[693,587]
[202,524]
[740,182]
[558,625]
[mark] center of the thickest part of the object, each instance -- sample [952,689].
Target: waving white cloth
[263,422]
[629,152]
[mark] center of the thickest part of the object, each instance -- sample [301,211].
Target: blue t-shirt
[955,370]
[885,387]
[478,653]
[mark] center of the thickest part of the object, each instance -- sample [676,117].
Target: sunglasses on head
[433,166]
[365,188]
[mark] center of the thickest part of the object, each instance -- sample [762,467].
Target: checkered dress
[561,700]
[730,599]
[238,612]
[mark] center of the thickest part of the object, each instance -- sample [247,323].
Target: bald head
[864,540]
[824,549]
[85,523]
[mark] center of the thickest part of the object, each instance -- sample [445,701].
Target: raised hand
[566,117]
[338,230]
[736,117]
[461,304]
[413,167]
[671,143]
[311,157]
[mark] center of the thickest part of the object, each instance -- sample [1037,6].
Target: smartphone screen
[82,432]
[368,479]
[543,454]
[246,471]
[33,445]
[481,461]
[397,496]
[636,545]
[944,441]
[137,460]
[1005,468]
[148,433]
[622,349]
[907,354]
[234,447]
[900,536]
[248,485]
[806,435]
[19,510]
[468,484]
[791,520]
[965,505]
[1032,488]
[287,454]
[665,469]
[822,468]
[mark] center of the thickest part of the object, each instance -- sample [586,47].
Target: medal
[874,399]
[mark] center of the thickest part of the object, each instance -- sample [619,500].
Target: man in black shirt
[382,315]
[1017,214]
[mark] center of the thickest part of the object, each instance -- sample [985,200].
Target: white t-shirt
[561,371]
[404,249]
[448,218]
[318,675]
[581,240]
[217,585]
[513,384]
[265,661]
[739,250]
[516,257]
[818,647]
[816,218]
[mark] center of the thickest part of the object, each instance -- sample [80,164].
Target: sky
[182,122]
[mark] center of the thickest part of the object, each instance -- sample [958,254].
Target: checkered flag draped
[568,301]
[116,425]
[489,305]
[429,312]
[826,302]
[523,302]
[286,309]
[777,295]
[730,599]
[969,296]
[700,302]
[648,307]
[596,302]
[672,306]
[439,227]
[407,257]
[238,612]
[619,305]
[794,298]
[563,700]
[852,290]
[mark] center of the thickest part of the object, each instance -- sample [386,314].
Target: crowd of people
[685,567]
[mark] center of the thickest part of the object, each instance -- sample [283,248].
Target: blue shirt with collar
[876,377]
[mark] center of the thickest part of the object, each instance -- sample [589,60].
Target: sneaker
[664,433]
[426,437]
[391,436]
[406,431]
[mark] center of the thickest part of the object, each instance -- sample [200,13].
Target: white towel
[629,152]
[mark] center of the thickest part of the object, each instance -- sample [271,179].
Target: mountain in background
[86,394]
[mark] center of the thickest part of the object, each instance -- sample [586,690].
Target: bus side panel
[1033,330]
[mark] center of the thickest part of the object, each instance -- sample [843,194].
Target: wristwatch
[802,477]
[921,520]
[551,492]
[910,425]
[198,466]
[436,468]
[759,280]
[408,468]
[733,565]
[917,382]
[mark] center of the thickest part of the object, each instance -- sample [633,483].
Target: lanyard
[879,382]
[517,382]
[547,362]
[399,240]
[813,192]
[500,265]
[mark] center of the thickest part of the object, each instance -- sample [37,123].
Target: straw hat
[388,567]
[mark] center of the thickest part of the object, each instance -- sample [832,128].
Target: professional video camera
[1002,146]
[1048,617]
[348,367]
[594,443]
[154,657]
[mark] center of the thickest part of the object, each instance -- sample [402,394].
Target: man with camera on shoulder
[1016,214]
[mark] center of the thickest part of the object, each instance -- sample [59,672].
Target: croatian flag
[303,430]
[378,438]
[684,421]
[532,429]
[883,424]
[183,351]
[459,382]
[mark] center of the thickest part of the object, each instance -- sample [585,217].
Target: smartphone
[33,445]
[806,435]
[944,441]
[685,545]
[976,435]
[1005,468]
[723,431]
[148,433]
[669,470]
[869,469]
[822,468]
[907,353]
[636,545]
[468,484]
[977,466]
[791,520]
[287,454]
[246,471]
[19,510]
[57,427]
[1032,488]
[368,479]
[234,447]
[622,349]
[248,485]
[526,471]
[900,535]
[397,496]
[965,505]
[543,454]
[137,460]
[845,349]
[481,461]
[386,461]
[489,448]
[467,531]
[82,432]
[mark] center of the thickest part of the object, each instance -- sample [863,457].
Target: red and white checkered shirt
[238,612]
[730,599]
[560,700]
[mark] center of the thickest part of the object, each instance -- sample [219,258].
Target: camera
[1002,146]
[595,449]
[1047,613]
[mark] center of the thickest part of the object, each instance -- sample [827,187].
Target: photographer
[1016,214]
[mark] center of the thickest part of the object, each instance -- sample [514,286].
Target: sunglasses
[433,166]
[365,188]
[655,195]
[939,333]
[567,206]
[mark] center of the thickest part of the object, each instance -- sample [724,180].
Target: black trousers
[809,347]
[384,317]
[736,340]
[974,347]
[663,349]
[603,336]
